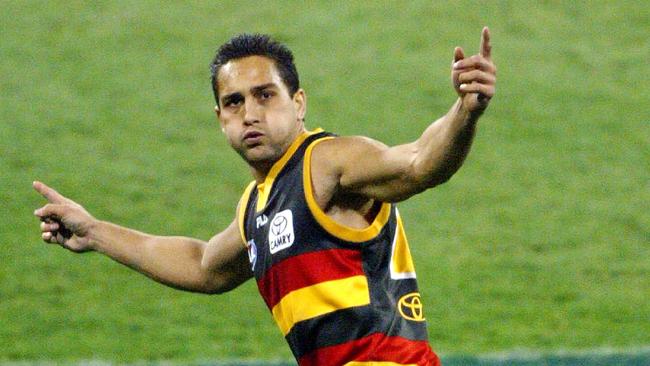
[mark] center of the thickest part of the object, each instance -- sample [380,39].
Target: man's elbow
[441,178]
[426,177]
[215,290]
[218,282]
[439,173]
[213,286]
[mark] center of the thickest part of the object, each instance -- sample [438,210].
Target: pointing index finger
[486,47]
[50,194]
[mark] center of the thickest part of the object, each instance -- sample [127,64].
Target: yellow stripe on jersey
[333,227]
[377,363]
[264,188]
[241,209]
[320,299]
[401,262]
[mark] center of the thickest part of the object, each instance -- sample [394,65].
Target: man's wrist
[94,234]
[470,114]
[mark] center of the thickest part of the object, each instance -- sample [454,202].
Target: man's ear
[300,103]
[217,111]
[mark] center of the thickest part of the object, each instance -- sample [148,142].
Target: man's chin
[259,156]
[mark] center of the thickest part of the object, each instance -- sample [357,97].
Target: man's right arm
[180,262]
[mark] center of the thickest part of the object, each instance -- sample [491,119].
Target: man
[317,228]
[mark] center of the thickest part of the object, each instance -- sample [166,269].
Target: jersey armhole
[330,225]
[241,210]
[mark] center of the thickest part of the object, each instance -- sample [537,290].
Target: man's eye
[265,95]
[233,103]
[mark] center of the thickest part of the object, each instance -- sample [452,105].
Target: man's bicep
[369,168]
[226,259]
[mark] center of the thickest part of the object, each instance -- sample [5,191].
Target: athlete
[317,228]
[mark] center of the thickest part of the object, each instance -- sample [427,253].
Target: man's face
[257,114]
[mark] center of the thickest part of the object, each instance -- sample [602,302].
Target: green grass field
[541,242]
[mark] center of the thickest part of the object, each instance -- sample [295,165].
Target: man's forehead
[247,72]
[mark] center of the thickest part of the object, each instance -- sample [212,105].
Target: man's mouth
[252,138]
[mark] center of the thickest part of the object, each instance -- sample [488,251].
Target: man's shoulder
[343,147]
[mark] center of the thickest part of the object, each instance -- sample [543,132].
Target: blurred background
[539,244]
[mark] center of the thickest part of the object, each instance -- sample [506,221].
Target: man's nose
[251,112]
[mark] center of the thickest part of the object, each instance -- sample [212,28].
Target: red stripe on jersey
[308,269]
[373,348]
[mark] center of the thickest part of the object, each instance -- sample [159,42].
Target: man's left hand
[474,77]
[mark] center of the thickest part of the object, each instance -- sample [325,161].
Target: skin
[258,115]
[260,119]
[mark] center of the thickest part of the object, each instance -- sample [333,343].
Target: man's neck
[261,169]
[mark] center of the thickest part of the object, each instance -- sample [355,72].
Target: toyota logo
[278,225]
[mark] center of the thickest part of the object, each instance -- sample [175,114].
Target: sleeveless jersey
[340,295]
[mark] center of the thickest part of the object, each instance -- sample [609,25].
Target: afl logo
[252,253]
[410,307]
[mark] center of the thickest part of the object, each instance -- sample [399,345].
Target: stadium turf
[540,242]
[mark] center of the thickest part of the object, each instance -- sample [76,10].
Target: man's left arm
[369,168]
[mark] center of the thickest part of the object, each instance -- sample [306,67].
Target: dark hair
[244,45]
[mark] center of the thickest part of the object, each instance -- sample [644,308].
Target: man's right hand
[64,221]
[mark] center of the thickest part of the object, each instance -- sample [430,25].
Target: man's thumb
[51,210]
[458,54]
